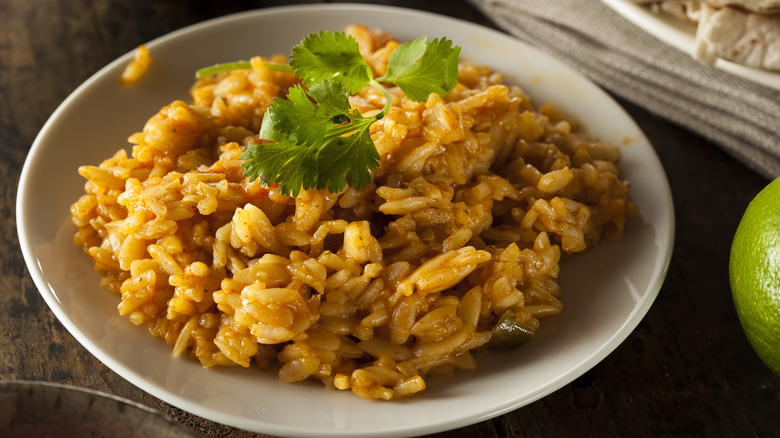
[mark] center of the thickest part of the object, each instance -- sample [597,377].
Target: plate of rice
[515,232]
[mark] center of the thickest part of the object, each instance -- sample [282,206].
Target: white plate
[681,34]
[606,292]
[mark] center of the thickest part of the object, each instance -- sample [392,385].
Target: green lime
[754,274]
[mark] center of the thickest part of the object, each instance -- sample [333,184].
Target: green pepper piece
[509,333]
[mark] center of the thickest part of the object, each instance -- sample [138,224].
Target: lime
[754,274]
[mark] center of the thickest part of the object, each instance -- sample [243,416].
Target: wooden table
[687,370]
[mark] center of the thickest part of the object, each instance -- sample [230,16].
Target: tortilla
[738,36]
[684,10]
[758,6]
[745,32]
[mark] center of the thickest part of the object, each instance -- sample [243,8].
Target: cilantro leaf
[419,68]
[301,120]
[276,125]
[314,138]
[352,156]
[291,166]
[331,97]
[326,55]
[313,132]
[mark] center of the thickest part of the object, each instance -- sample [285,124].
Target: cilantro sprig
[314,138]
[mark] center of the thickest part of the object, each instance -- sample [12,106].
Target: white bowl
[606,292]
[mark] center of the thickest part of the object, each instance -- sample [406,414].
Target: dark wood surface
[687,369]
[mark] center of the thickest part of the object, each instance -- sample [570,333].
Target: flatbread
[741,37]
[747,32]
[759,6]
[684,10]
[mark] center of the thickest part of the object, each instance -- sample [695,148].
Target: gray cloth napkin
[737,114]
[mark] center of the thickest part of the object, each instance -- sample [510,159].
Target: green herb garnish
[316,139]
